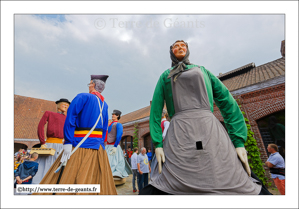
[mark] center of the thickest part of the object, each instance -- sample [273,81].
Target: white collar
[163,119]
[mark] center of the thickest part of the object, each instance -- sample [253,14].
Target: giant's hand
[67,149]
[43,146]
[160,157]
[113,151]
[243,157]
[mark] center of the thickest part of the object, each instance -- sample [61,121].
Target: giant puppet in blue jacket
[89,163]
[119,166]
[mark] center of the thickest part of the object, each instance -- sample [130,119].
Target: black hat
[63,100]
[116,112]
[100,77]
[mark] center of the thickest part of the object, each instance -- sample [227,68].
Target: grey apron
[112,135]
[215,169]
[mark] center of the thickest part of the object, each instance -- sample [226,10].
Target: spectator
[27,170]
[18,162]
[164,123]
[19,152]
[129,155]
[149,155]
[26,155]
[276,164]
[134,169]
[143,169]
[15,163]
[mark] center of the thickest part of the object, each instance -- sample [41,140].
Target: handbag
[279,171]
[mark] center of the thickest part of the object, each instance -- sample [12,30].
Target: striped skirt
[86,166]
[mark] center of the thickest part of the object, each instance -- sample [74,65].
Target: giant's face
[91,86]
[179,49]
[63,106]
[114,117]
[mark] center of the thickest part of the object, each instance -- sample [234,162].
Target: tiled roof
[255,75]
[242,77]
[27,114]
[138,114]
[236,72]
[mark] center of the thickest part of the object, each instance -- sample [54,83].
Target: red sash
[112,123]
[99,95]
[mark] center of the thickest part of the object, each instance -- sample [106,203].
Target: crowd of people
[25,167]
[20,156]
[141,168]
[140,165]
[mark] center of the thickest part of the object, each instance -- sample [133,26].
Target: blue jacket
[149,155]
[28,168]
[83,112]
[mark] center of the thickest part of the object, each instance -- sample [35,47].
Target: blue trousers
[143,180]
[135,175]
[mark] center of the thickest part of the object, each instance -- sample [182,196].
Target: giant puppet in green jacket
[198,155]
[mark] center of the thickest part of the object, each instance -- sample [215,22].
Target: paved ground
[127,189]
[274,191]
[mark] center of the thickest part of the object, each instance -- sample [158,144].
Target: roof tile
[27,113]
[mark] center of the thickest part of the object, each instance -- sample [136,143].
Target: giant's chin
[180,56]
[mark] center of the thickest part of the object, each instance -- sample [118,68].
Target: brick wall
[29,144]
[143,130]
[256,105]
[259,104]
[128,131]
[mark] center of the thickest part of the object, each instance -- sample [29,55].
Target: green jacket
[230,111]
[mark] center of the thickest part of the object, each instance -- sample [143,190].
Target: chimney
[282,48]
[151,103]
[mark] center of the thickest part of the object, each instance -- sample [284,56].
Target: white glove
[243,157]
[160,157]
[43,146]
[113,151]
[67,149]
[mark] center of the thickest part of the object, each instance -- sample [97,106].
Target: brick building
[261,94]
[27,114]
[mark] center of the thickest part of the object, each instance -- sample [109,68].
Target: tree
[135,137]
[253,155]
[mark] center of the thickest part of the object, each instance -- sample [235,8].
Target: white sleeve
[166,126]
[134,159]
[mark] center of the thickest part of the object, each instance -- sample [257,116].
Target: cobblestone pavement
[274,191]
[127,189]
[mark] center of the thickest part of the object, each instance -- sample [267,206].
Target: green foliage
[135,137]
[253,155]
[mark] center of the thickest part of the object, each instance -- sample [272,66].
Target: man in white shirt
[144,169]
[134,169]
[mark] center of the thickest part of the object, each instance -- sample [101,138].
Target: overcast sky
[56,54]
